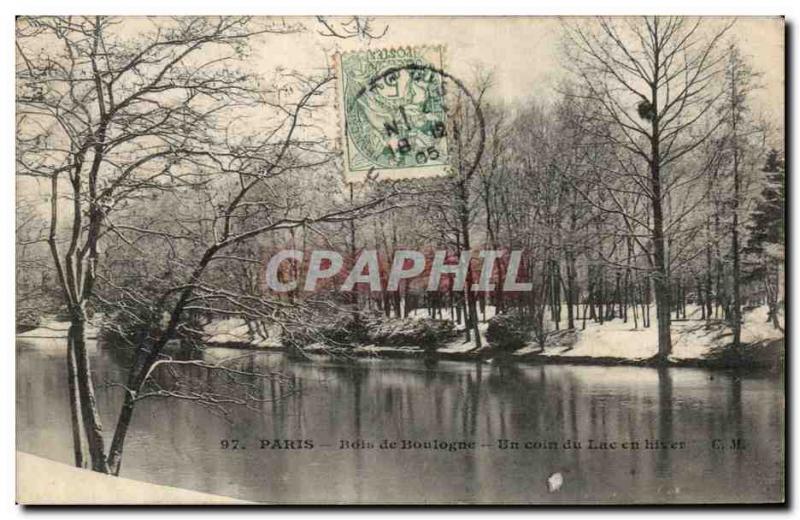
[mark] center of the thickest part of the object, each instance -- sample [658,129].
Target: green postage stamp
[392,113]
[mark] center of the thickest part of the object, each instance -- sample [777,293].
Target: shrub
[342,329]
[509,332]
[348,329]
[422,332]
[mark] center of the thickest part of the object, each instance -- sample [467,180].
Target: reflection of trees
[238,380]
[531,402]
[379,399]
[735,408]
[665,427]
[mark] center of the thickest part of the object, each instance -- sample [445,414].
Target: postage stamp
[392,113]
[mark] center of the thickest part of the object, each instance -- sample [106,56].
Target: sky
[524,53]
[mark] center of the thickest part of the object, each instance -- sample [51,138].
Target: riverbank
[695,343]
[51,328]
[45,482]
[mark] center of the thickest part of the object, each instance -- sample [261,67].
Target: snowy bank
[236,332]
[694,341]
[52,328]
[45,482]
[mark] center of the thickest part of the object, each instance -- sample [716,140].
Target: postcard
[400,260]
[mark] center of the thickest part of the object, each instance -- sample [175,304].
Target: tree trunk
[601,299]
[571,296]
[91,418]
[709,303]
[661,275]
[661,286]
[590,276]
[555,293]
[736,315]
[662,294]
[118,442]
[700,299]
[74,404]
[472,319]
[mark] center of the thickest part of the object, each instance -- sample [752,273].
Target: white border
[791,9]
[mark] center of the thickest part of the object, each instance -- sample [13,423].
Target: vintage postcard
[400,260]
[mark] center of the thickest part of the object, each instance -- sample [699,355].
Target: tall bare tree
[654,80]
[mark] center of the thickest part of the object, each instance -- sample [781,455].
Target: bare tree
[653,81]
[108,118]
[116,120]
[468,135]
[353,27]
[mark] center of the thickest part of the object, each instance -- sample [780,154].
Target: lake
[463,432]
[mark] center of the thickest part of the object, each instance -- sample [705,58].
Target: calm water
[178,443]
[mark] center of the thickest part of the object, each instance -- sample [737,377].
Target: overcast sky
[524,52]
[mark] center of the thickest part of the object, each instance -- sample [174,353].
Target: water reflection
[663,458]
[178,443]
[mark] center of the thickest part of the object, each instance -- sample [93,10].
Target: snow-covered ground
[51,328]
[691,339]
[457,345]
[41,482]
[235,330]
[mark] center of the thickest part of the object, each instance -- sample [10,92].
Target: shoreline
[489,355]
[696,343]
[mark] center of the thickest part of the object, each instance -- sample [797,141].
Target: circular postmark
[396,118]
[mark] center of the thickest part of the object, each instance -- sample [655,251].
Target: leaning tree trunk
[74,404]
[89,413]
[121,431]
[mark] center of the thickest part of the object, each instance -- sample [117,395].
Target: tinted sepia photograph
[407,260]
